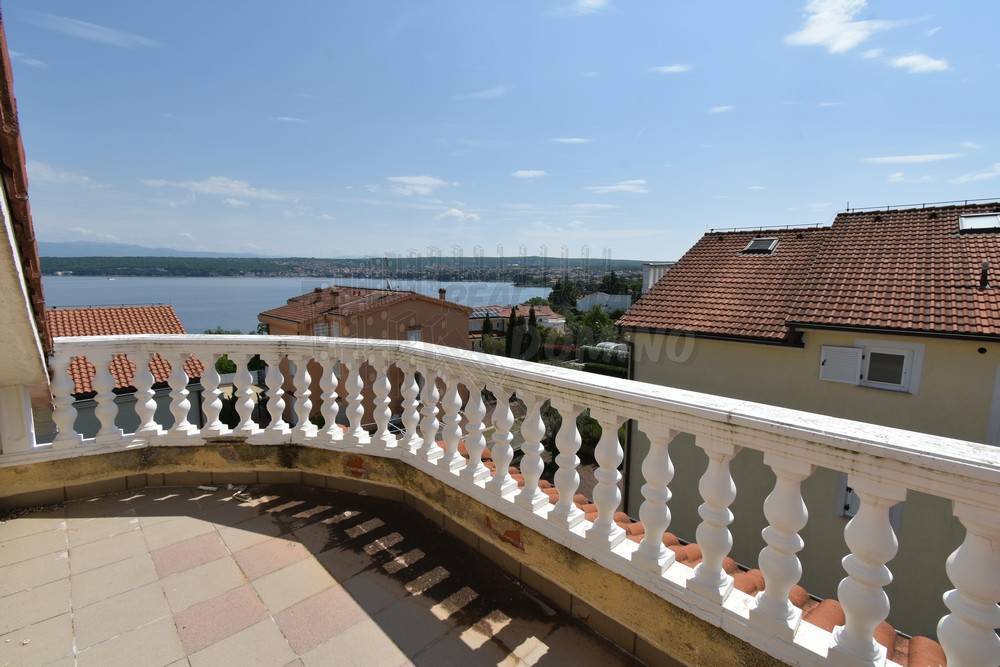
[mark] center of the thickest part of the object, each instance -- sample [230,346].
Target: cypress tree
[508,343]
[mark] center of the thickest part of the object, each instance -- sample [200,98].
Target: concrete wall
[953,399]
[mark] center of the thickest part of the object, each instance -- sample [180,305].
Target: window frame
[417,330]
[907,373]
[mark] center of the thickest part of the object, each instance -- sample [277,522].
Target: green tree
[508,345]
[533,339]
[219,331]
[487,327]
[537,301]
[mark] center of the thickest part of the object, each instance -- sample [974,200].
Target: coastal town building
[887,317]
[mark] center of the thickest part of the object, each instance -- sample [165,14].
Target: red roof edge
[15,180]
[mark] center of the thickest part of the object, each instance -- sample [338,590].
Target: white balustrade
[382,386]
[475,441]
[882,463]
[968,633]
[657,471]
[356,434]
[607,496]
[451,430]
[566,514]
[63,412]
[246,396]
[872,541]
[332,433]
[532,466]
[106,409]
[503,418]
[411,440]
[786,514]
[429,424]
[303,403]
[718,491]
[212,404]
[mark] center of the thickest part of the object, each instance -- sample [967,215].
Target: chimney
[652,272]
[441,292]
[984,276]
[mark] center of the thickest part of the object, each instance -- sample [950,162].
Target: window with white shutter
[840,364]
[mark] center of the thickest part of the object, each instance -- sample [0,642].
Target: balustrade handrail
[946,467]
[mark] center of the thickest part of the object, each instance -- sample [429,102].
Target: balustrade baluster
[565,513]
[657,473]
[63,410]
[718,491]
[532,430]
[106,409]
[502,483]
[451,431]
[243,389]
[607,496]
[786,514]
[145,399]
[383,413]
[475,441]
[332,433]
[212,405]
[411,440]
[304,428]
[967,634]
[429,449]
[356,433]
[277,430]
[180,405]
[872,542]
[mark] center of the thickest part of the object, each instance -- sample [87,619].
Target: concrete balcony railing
[440,399]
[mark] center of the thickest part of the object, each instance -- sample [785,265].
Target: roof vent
[979,222]
[761,246]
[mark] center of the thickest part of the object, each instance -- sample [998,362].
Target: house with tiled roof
[888,316]
[359,312]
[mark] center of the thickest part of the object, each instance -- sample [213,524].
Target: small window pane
[887,368]
[981,222]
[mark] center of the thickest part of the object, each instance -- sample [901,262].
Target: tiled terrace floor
[178,576]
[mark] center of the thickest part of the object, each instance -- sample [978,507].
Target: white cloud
[235,203]
[84,231]
[487,94]
[912,159]
[89,31]
[457,214]
[19,57]
[723,108]
[417,185]
[671,69]
[572,140]
[635,186]
[598,207]
[919,63]
[984,175]
[756,187]
[824,105]
[871,54]
[972,145]
[529,173]
[933,31]
[288,119]
[821,204]
[832,24]
[584,7]
[220,186]
[186,235]
[900,177]
[42,172]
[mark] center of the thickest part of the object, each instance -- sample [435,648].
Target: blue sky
[615,126]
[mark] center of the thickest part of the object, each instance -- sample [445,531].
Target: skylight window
[982,222]
[761,246]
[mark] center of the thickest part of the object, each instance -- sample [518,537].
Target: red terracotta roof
[118,320]
[911,270]
[718,290]
[908,270]
[523,309]
[347,301]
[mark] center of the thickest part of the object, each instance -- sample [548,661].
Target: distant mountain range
[99,249]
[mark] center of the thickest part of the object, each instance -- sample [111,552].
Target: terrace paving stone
[292,577]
